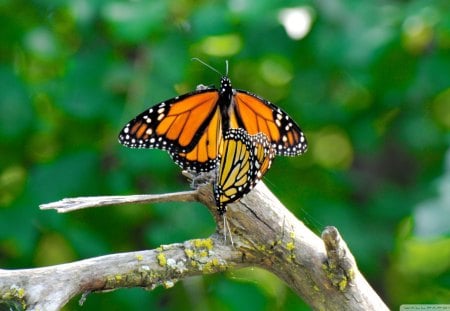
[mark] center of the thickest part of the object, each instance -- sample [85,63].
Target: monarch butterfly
[245,159]
[191,126]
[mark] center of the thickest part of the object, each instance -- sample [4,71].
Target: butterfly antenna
[208,65]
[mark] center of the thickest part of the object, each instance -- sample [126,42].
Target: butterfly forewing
[175,125]
[258,115]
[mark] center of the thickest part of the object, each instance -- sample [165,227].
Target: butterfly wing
[264,154]
[190,126]
[186,126]
[256,114]
[203,157]
[241,164]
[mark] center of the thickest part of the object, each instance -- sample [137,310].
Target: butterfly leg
[199,179]
[226,227]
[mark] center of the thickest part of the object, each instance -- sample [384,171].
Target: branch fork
[322,272]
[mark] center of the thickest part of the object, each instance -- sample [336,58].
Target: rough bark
[322,271]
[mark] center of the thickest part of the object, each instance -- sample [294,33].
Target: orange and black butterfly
[191,126]
[243,162]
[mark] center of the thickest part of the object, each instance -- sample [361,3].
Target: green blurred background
[368,82]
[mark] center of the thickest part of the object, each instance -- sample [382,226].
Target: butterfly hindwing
[241,164]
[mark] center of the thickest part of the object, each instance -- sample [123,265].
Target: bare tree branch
[73,204]
[50,288]
[322,272]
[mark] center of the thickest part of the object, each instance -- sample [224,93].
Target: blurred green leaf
[15,108]
[134,21]
[268,282]
[53,249]
[419,270]
[72,174]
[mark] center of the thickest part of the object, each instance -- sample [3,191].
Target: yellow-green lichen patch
[201,256]
[215,262]
[204,243]
[342,284]
[161,259]
[114,281]
[261,248]
[332,265]
[337,277]
[189,253]
[142,276]
[351,274]
[168,284]
[290,258]
[15,295]
[267,248]
[139,257]
[290,246]
[145,276]
[207,267]
[165,247]
[212,265]
[330,275]
[277,242]
[109,281]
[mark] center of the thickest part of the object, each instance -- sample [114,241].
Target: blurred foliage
[368,81]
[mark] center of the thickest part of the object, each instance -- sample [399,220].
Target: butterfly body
[191,127]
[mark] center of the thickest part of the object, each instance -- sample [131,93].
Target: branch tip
[340,265]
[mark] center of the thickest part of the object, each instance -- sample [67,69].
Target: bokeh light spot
[418,30]
[332,149]
[276,72]
[41,42]
[220,46]
[441,108]
[12,180]
[296,21]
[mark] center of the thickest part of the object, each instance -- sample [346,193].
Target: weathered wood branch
[322,272]
[73,204]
